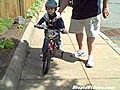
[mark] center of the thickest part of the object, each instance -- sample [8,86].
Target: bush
[5,23]
[6,43]
[34,9]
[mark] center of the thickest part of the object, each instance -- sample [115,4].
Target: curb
[12,74]
[110,43]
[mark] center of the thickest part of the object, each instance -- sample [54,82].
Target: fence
[13,8]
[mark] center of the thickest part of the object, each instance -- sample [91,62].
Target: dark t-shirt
[83,9]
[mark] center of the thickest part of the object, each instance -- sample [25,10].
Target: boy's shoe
[79,53]
[90,62]
[41,55]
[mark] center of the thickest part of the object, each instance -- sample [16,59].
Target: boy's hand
[64,31]
[37,26]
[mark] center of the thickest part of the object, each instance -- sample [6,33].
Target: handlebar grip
[38,27]
[34,25]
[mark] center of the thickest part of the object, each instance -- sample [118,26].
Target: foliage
[34,9]
[5,23]
[6,43]
[20,27]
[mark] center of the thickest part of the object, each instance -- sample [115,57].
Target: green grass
[5,23]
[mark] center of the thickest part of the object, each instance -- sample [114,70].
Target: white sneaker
[41,55]
[79,53]
[90,62]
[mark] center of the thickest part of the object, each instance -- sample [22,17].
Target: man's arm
[63,5]
[105,10]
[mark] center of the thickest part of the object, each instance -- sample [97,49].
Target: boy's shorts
[90,25]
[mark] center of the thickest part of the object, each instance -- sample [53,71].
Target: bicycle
[51,35]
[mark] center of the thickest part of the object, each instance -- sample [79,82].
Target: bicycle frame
[52,46]
[51,35]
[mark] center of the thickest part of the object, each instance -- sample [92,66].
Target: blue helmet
[51,3]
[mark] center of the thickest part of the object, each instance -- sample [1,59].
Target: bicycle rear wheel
[46,62]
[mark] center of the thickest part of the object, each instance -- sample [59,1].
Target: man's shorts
[90,25]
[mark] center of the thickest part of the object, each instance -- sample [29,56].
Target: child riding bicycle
[52,20]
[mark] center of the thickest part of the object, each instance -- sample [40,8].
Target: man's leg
[79,52]
[77,27]
[79,38]
[90,43]
[92,27]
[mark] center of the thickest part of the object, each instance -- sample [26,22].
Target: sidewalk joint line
[80,62]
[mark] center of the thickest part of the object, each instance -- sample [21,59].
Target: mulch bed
[6,54]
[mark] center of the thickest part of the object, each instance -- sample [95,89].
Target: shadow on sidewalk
[68,57]
[32,77]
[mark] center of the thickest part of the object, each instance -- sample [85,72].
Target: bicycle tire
[46,62]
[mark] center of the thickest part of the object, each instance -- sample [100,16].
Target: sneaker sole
[88,66]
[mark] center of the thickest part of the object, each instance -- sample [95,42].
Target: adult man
[86,15]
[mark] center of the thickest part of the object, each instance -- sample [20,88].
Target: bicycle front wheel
[46,62]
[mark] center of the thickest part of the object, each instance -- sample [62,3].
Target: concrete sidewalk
[69,73]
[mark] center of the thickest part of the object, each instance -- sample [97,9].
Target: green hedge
[34,8]
[5,23]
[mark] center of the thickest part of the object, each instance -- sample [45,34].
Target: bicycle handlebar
[44,27]
[39,27]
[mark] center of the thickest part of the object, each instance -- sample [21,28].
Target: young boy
[52,20]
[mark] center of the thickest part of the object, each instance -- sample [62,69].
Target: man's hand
[105,12]
[63,5]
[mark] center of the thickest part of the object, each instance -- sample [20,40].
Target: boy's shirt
[53,22]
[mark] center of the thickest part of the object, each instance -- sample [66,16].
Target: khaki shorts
[90,25]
